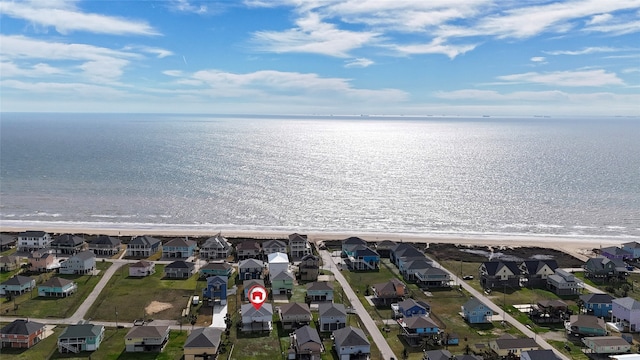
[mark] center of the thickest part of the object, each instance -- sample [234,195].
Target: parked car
[467,277]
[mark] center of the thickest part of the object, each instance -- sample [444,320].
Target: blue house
[476,312]
[410,307]
[632,247]
[216,289]
[363,258]
[597,304]
[216,268]
[349,245]
[416,328]
[179,248]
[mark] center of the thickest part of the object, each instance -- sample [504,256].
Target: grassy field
[131,296]
[30,305]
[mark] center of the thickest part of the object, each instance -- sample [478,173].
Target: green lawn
[129,297]
[30,305]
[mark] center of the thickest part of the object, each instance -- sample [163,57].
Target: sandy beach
[579,247]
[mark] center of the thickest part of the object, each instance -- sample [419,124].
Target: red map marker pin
[257,296]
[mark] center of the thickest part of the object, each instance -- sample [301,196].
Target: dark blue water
[542,176]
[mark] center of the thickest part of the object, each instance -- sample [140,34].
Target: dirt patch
[156,307]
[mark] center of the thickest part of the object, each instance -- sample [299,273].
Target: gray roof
[632,244]
[473,303]
[596,298]
[420,322]
[146,241]
[32,233]
[218,279]
[516,343]
[307,334]
[320,286]
[180,264]
[438,355]
[354,241]
[248,284]
[365,251]
[541,354]
[249,310]
[57,282]
[295,309]
[180,242]
[331,309]
[84,255]
[81,331]
[106,240]
[420,263]
[627,303]
[350,336]
[386,245]
[68,240]
[18,280]
[295,237]
[409,303]
[588,321]
[250,264]
[607,340]
[21,327]
[282,275]
[216,242]
[147,331]
[274,243]
[217,265]
[141,264]
[248,245]
[204,338]
[388,288]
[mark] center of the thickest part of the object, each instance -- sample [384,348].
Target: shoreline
[578,247]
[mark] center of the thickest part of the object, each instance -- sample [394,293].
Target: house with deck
[294,315]
[597,304]
[600,268]
[248,284]
[351,244]
[499,274]
[383,248]
[298,246]
[606,345]
[17,285]
[179,248]
[105,245]
[216,247]
[216,289]
[57,287]
[214,268]
[8,241]
[143,246]
[616,253]
[404,251]
[179,270]
[81,263]
[536,272]
[282,283]
[142,268]
[68,244]
[277,262]
[42,261]
[273,246]
[29,241]
[563,283]
[22,333]
[507,345]
[585,325]
[433,278]
[331,316]
[146,338]
[351,343]
[256,319]
[364,258]
[251,269]
[306,343]
[389,292]
[412,265]
[475,311]
[309,267]
[626,312]
[80,337]
[319,291]
[411,307]
[248,249]
[9,263]
[632,247]
[202,343]
[416,328]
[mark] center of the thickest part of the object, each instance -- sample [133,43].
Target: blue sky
[411,57]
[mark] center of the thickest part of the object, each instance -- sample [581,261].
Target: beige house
[142,268]
[9,263]
[508,344]
[202,344]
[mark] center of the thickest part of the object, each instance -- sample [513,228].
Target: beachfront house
[214,268]
[68,244]
[202,344]
[309,267]
[632,247]
[216,247]
[248,249]
[616,253]
[9,263]
[383,248]
[57,287]
[475,311]
[319,291]
[282,283]
[298,246]
[105,245]
[272,247]
[602,268]
[250,269]
[80,337]
[626,312]
[389,292]
[146,338]
[416,328]
[179,248]
[42,261]
[331,316]
[79,264]
[508,345]
[216,289]
[411,307]
[351,244]
[256,319]
[406,251]
[597,304]
[306,343]
[143,246]
[179,270]
[536,272]
[22,334]
[29,241]
[277,262]
[7,241]
[294,315]
[17,285]
[363,258]
[142,268]
[606,345]
[351,343]
[563,283]
[586,325]
[499,274]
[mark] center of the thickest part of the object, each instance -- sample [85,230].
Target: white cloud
[538,59]
[566,78]
[9,69]
[53,89]
[158,52]
[621,28]
[65,18]
[189,7]
[437,46]
[358,62]
[585,51]
[599,19]
[173,73]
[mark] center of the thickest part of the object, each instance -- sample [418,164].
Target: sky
[346,57]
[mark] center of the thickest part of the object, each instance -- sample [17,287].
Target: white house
[256,319]
[33,240]
[278,262]
[80,263]
[351,343]
[142,268]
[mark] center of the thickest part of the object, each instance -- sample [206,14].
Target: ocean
[426,175]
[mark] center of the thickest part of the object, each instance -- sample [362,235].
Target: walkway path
[372,328]
[86,304]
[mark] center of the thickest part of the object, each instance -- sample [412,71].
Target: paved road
[88,302]
[368,322]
